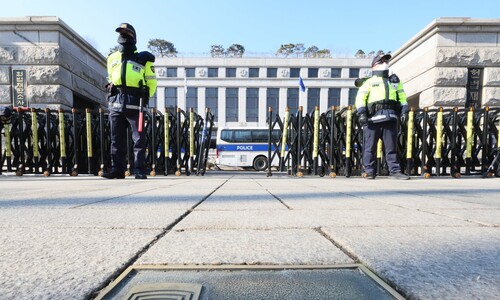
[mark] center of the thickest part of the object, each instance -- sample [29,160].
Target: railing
[77,142]
[435,142]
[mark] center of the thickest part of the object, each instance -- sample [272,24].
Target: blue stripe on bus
[243,147]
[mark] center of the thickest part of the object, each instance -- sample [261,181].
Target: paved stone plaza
[69,237]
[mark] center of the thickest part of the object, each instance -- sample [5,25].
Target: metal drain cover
[353,281]
[160,291]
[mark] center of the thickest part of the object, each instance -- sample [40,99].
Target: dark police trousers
[119,122]
[371,134]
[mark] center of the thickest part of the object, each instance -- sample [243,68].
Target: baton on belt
[141,113]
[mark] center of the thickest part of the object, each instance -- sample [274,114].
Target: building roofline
[443,24]
[47,23]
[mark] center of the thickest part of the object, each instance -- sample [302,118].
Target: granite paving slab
[244,246]
[430,262]
[58,263]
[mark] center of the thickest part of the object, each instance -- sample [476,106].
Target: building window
[252,105]
[253,72]
[230,72]
[336,72]
[272,72]
[333,97]
[294,72]
[171,72]
[354,73]
[352,95]
[192,99]
[190,72]
[231,105]
[312,99]
[213,72]
[152,101]
[312,72]
[171,99]
[212,98]
[273,100]
[292,100]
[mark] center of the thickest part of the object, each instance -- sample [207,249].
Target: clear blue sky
[261,26]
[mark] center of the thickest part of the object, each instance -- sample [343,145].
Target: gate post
[348,140]
[269,141]
[439,143]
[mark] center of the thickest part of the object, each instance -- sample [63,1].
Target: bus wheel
[260,163]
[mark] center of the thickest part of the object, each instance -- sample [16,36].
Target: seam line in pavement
[281,201]
[344,250]
[112,198]
[132,260]
[356,260]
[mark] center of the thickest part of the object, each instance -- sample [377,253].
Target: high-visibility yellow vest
[378,88]
[132,73]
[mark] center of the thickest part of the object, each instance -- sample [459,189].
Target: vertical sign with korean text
[474,87]
[19,91]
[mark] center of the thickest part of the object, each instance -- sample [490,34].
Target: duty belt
[128,106]
[374,107]
[129,90]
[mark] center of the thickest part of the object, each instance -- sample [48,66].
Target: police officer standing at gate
[132,81]
[379,102]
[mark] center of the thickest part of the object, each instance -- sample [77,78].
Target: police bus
[244,147]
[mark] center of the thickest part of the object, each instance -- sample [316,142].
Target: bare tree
[299,49]
[217,51]
[285,50]
[311,52]
[114,49]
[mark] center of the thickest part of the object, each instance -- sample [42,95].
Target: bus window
[245,147]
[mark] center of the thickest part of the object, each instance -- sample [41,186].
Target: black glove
[394,78]
[359,81]
[5,114]
[363,119]
[404,118]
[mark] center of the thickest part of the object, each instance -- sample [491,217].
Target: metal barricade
[431,142]
[78,142]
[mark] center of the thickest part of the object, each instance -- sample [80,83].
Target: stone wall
[61,66]
[433,64]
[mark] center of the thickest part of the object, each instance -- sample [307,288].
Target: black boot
[140,176]
[114,174]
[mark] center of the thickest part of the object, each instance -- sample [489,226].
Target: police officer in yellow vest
[379,102]
[132,81]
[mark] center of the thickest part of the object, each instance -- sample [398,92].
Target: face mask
[124,39]
[381,67]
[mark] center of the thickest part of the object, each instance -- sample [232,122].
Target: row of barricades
[431,142]
[78,142]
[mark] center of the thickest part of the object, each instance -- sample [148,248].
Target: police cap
[381,59]
[126,28]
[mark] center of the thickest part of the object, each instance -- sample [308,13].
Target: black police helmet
[126,28]
[127,34]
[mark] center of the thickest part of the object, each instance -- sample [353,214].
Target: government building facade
[239,91]
[451,62]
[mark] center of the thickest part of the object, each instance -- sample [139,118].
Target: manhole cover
[351,281]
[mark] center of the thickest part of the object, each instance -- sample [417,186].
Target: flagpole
[302,89]
[185,89]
